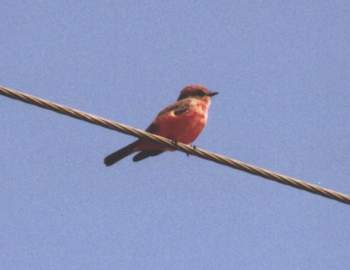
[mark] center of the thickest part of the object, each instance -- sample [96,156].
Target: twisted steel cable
[233,163]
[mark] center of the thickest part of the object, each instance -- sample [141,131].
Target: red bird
[182,122]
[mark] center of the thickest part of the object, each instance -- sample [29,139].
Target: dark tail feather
[145,154]
[120,154]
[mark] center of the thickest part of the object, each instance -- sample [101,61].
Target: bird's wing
[153,128]
[178,108]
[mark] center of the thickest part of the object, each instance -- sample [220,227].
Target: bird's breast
[186,127]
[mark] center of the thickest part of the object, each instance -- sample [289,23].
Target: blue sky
[283,73]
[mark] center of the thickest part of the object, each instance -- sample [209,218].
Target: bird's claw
[193,147]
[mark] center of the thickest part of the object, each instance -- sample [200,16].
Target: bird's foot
[194,147]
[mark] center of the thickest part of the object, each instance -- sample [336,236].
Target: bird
[181,121]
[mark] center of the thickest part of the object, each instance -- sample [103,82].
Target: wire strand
[233,163]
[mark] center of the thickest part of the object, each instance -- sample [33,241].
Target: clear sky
[283,72]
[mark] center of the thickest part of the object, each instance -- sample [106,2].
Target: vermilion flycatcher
[182,122]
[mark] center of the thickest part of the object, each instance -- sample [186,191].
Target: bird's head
[196,91]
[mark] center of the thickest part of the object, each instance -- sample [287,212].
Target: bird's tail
[120,154]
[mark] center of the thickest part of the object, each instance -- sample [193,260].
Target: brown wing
[178,108]
[152,128]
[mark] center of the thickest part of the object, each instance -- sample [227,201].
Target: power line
[233,163]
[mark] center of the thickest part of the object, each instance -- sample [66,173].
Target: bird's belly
[184,128]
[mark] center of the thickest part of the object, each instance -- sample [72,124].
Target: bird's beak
[211,94]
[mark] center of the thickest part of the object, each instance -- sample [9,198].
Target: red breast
[184,128]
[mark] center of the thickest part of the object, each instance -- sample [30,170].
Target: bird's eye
[200,93]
